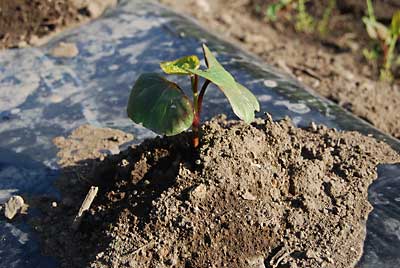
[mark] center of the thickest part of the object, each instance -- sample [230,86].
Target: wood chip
[85,206]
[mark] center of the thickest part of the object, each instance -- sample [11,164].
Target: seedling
[323,25]
[162,106]
[386,37]
[305,22]
[274,9]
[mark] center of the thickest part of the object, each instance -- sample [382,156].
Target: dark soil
[24,22]
[332,65]
[262,195]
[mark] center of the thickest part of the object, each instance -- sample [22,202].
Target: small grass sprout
[272,11]
[304,22]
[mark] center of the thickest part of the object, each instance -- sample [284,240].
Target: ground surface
[333,65]
[25,22]
[265,195]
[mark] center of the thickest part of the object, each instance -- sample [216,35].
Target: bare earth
[24,23]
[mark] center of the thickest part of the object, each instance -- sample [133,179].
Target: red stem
[197,111]
[385,52]
[201,95]
[195,82]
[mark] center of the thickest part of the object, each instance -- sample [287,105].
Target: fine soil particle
[261,195]
[24,22]
[333,65]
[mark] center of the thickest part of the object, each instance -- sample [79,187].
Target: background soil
[333,65]
[262,195]
[24,22]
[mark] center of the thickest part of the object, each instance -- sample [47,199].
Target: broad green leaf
[159,105]
[180,65]
[395,26]
[243,102]
[249,103]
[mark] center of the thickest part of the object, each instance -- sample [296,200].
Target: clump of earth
[267,194]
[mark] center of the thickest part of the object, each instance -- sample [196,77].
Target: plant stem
[389,58]
[195,83]
[386,74]
[196,119]
[201,95]
[324,24]
[371,14]
[197,101]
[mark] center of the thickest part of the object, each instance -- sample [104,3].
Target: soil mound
[262,195]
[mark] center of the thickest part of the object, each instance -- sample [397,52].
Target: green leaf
[160,105]
[272,11]
[370,55]
[180,65]
[249,103]
[243,102]
[395,25]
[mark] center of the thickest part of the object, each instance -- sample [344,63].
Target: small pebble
[270,83]
[199,192]
[22,44]
[55,98]
[249,196]
[114,138]
[313,126]
[15,111]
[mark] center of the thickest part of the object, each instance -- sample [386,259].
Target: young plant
[386,37]
[162,106]
[273,9]
[323,25]
[305,22]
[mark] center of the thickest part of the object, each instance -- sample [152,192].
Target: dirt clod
[14,206]
[65,50]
